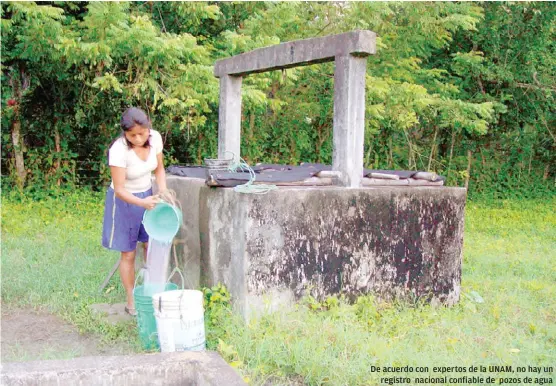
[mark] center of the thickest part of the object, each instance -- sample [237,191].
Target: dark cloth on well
[276,173]
[187,171]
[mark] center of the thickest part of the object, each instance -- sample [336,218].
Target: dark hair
[131,118]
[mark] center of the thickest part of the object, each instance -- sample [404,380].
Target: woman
[132,158]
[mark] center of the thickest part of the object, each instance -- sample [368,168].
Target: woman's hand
[150,202]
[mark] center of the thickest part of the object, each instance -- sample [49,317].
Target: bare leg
[127,273]
[145,249]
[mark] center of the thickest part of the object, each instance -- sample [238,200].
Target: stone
[112,313]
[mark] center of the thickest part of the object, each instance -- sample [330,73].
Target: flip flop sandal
[130,311]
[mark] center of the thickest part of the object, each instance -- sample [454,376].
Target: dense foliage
[463,89]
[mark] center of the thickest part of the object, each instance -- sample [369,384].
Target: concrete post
[229,116]
[349,118]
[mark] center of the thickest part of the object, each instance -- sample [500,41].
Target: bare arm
[118,178]
[160,173]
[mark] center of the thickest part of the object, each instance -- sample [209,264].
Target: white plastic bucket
[180,320]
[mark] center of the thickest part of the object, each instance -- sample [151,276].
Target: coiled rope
[239,165]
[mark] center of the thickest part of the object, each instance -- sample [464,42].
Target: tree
[28,32]
[453,87]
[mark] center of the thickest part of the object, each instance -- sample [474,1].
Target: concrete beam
[179,368]
[229,116]
[349,119]
[298,53]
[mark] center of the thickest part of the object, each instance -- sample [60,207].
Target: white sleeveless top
[137,171]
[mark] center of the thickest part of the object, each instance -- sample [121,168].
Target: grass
[22,355]
[52,258]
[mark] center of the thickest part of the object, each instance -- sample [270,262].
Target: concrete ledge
[183,368]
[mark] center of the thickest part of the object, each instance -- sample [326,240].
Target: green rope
[239,164]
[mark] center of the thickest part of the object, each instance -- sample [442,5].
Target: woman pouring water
[132,158]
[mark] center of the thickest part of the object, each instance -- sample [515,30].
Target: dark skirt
[123,227]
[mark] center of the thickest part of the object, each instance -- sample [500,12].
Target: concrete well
[270,250]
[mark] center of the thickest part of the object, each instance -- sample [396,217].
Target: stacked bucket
[146,321]
[172,320]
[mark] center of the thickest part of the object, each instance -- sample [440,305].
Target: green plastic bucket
[163,222]
[146,322]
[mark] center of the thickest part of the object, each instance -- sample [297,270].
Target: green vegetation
[52,259]
[463,89]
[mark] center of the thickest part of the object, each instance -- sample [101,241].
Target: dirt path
[31,335]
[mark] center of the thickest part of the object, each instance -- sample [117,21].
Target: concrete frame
[348,51]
